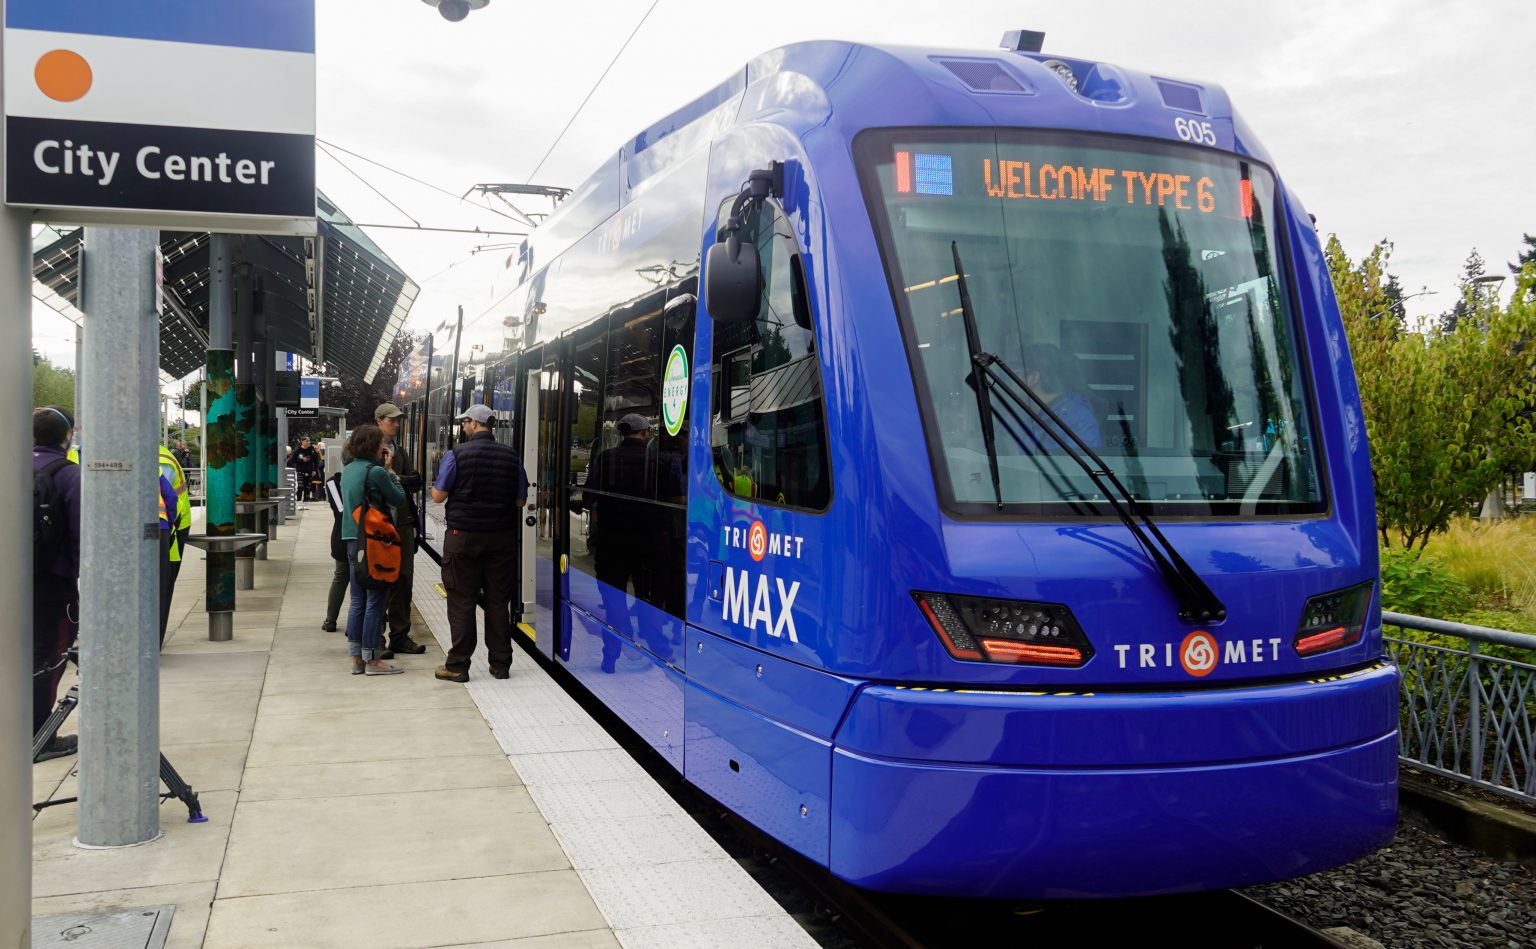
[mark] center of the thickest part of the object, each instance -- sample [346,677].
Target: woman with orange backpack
[368,490]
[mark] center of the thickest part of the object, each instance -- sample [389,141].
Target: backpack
[50,533]
[377,564]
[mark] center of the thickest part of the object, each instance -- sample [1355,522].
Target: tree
[1470,300]
[52,385]
[1445,410]
[1526,254]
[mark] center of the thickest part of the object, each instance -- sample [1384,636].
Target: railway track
[841,915]
[1223,919]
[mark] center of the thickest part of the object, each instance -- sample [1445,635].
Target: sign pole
[120,545]
[16,583]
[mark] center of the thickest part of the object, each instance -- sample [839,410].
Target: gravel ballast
[1418,891]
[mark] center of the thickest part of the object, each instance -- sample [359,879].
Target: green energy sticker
[674,390]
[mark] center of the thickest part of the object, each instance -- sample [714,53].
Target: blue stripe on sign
[257,24]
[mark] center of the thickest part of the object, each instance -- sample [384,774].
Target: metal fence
[1466,713]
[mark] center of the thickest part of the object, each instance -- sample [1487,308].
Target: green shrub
[1421,585]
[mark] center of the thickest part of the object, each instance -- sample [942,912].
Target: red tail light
[1016,632]
[1333,620]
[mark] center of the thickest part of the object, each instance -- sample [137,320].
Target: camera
[456,10]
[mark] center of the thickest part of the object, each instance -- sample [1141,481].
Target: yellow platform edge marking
[528,628]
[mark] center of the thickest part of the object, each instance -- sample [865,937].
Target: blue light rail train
[951,462]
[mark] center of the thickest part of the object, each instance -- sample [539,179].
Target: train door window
[587,438]
[676,382]
[769,436]
[548,455]
[502,380]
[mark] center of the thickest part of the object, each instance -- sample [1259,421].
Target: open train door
[526,441]
[545,506]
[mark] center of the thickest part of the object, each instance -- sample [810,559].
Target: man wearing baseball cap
[398,612]
[483,485]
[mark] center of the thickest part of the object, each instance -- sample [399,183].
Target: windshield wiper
[1198,603]
[983,396]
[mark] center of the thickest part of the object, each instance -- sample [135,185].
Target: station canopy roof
[334,298]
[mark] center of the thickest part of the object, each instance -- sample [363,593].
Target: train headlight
[1333,620]
[1016,632]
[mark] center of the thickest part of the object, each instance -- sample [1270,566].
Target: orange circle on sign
[63,75]
[757,540]
[1197,653]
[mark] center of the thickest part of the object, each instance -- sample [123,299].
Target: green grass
[1497,562]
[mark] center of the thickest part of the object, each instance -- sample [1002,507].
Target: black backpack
[50,533]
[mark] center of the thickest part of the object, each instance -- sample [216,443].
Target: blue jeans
[365,617]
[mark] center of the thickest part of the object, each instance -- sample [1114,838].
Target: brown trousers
[479,568]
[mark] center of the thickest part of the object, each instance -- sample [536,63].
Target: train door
[525,435]
[550,542]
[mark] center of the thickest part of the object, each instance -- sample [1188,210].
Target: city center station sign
[196,114]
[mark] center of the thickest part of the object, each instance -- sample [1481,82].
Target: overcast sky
[1402,119]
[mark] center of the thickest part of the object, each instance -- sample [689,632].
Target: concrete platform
[392,812]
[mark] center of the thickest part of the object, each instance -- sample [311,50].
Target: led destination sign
[1033,180]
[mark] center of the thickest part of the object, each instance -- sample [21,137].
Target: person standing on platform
[341,580]
[181,529]
[483,485]
[305,462]
[183,457]
[170,555]
[56,565]
[388,416]
[366,476]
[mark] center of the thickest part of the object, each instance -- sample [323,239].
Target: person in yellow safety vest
[175,525]
[173,471]
[742,483]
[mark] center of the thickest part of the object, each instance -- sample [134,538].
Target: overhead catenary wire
[351,171]
[521,219]
[533,174]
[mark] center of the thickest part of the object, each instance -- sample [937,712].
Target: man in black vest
[483,484]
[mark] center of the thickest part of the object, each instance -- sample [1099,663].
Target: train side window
[768,435]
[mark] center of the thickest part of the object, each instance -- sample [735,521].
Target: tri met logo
[750,599]
[1199,654]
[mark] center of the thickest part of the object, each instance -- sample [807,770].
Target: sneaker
[404,644]
[448,675]
[61,746]
[357,665]
[329,626]
[500,672]
[378,667]
[386,653]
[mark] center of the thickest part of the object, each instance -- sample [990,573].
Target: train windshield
[1136,287]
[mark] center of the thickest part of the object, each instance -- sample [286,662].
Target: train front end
[1130,628]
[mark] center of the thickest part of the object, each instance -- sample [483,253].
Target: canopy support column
[120,547]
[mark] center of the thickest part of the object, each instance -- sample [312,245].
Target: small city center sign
[195,113]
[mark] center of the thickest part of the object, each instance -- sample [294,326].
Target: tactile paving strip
[657,877]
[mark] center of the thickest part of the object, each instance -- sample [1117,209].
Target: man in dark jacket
[484,485]
[398,613]
[55,594]
[305,462]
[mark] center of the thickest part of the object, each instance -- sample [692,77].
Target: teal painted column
[221,448]
[247,480]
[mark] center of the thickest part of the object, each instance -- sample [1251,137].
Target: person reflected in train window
[483,485]
[743,485]
[1043,369]
[631,529]
[387,416]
